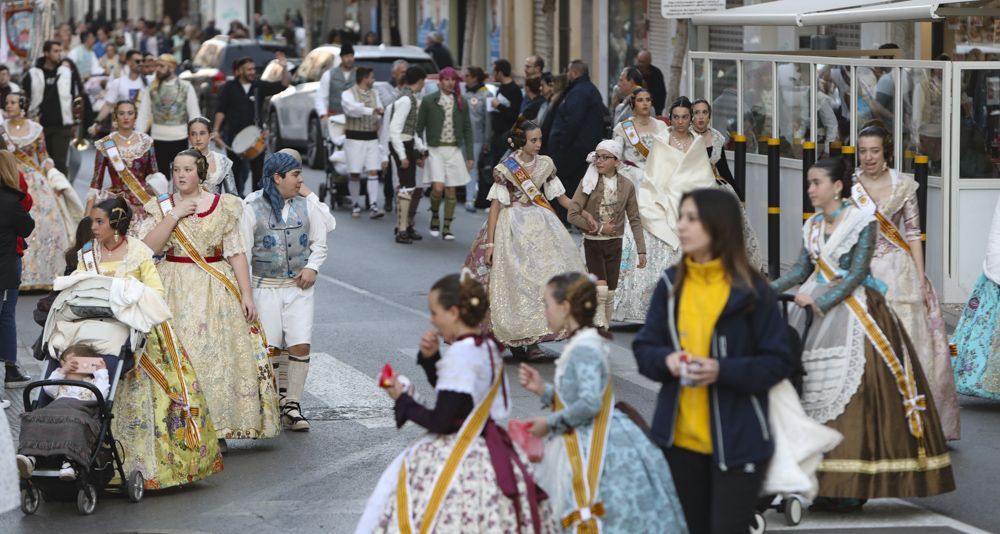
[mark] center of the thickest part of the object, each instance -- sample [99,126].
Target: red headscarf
[449,72]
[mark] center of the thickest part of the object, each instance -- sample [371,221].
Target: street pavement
[371,310]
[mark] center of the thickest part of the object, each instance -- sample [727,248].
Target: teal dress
[977,343]
[635,486]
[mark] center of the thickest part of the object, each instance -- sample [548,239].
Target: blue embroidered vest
[280,249]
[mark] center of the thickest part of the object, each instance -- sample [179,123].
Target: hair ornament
[474,301]
[466,274]
[588,305]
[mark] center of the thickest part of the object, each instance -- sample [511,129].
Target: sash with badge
[633,137]
[18,153]
[523,180]
[89,258]
[885,226]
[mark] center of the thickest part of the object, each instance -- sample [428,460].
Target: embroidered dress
[56,210]
[977,336]
[140,158]
[666,175]
[150,425]
[228,353]
[635,487]
[850,387]
[222,180]
[530,246]
[914,299]
[474,501]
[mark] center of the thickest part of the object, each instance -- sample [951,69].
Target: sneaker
[291,417]
[25,466]
[435,231]
[403,238]
[375,213]
[470,207]
[448,236]
[356,211]
[66,472]
[15,376]
[414,236]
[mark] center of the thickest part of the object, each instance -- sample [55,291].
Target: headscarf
[590,178]
[277,163]
[449,72]
[166,58]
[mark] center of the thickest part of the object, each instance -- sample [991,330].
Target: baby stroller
[335,164]
[82,313]
[788,505]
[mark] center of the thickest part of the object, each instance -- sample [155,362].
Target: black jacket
[441,55]
[577,127]
[751,345]
[14,222]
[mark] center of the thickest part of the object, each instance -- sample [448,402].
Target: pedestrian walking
[504,108]
[629,79]
[533,98]
[438,51]
[653,78]
[862,376]
[332,84]
[131,85]
[407,150]
[899,261]
[523,244]
[363,110]
[610,200]
[715,339]
[444,122]
[478,95]
[165,114]
[284,276]
[49,89]
[16,225]
[465,475]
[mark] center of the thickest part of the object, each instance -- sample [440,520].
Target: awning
[812,13]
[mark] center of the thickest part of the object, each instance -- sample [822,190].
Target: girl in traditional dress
[715,141]
[977,336]
[899,262]
[220,168]
[634,486]
[214,312]
[161,417]
[56,207]
[492,489]
[863,377]
[523,243]
[136,151]
[677,163]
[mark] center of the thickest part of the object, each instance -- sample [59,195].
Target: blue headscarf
[277,163]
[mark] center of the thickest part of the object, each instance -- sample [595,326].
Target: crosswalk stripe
[354,395]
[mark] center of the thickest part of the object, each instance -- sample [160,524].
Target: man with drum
[165,114]
[238,117]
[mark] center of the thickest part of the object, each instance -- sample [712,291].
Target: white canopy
[812,13]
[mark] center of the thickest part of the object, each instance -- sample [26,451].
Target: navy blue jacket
[577,127]
[751,345]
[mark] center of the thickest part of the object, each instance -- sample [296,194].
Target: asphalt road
[371,310]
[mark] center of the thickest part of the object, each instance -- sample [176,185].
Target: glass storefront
[627,27]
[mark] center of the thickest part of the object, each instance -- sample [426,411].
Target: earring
[836,196]
[885,166]
[118,237]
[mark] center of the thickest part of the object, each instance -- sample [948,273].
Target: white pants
[446,164]
[286,313]
[362,156]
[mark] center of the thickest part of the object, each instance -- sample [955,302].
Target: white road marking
[878,513]
[341,386]
[368,294]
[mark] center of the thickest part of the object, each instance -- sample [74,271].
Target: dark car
[212,66]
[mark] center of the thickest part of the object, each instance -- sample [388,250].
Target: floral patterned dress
[140,158]
[229,355]
[151,425]
[55,217]
[222,180]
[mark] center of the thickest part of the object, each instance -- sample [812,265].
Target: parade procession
[497,266]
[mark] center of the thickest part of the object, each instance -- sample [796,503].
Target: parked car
[212,66]
[292,119]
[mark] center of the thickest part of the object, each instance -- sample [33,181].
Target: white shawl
[669,174]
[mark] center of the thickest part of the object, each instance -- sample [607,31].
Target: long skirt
[635,285]
[65,428]
[47,244]
[977,343]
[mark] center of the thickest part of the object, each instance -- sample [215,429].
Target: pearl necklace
[126,140]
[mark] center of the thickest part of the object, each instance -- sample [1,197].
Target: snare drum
[250,142]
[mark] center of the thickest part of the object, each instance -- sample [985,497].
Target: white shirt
[123,88]
[321,222]
[86,62]
[322,95]
[100,380]
[400,109]
[353,108]
[163,132]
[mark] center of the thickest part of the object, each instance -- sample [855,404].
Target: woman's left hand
[805,300]
[249,309]
[704,371]
[539,426]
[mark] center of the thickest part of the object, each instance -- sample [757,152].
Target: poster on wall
[226,12]
[433,16]
[17,24]
[685,9]
[493,23]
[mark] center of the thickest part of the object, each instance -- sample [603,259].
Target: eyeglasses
[604,157]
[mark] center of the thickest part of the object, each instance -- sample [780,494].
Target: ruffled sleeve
[499,193]
[457,369]
[232,240]
[553,187]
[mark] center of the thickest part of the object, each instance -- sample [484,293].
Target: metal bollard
[921,169]
[808,158]
[773,208]
[835,148]
[847,153]
[740,166]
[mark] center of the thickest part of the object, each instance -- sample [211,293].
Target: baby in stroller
[68,427]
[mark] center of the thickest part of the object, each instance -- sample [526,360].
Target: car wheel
[274,141]
[315,151]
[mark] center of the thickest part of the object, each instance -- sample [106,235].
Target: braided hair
[581,293]
[466,293]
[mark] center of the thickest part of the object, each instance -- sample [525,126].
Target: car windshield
[208,55]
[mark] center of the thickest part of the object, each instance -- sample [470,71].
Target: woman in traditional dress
[977,336]
[492,488]
[161,417]
[634,484]
[899,262]
[523,243]
[220,168]
[136,152]
[863,377]
[56,207]
[636,135]
[677,163]
[214,312]
[715,141]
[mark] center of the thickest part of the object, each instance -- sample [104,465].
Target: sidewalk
[16,394]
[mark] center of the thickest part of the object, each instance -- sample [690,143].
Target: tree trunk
[385,21]
[470,32]
[679,43]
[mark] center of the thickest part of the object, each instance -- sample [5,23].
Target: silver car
[291,117]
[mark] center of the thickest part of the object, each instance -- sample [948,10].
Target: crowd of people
[664,243]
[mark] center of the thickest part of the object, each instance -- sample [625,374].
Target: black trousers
[57,139]
[165,153]
[407,176]
[244,168]
[714,501]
